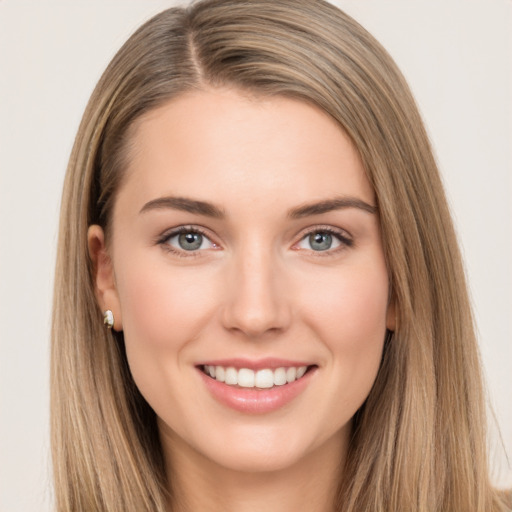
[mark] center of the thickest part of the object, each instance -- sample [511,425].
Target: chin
[257,459]
[267,450]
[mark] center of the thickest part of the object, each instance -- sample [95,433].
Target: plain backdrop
[457,57]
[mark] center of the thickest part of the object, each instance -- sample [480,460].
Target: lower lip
[253,400]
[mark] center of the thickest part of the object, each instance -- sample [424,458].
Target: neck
[198,483]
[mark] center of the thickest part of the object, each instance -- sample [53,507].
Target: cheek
[352,301]
[350,317]
[161,305]
[163,310]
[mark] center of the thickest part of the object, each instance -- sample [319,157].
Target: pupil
[190,241]
[320,241]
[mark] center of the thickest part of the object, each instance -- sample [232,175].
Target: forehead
[222,146]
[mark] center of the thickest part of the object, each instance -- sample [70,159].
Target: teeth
[247,378]
[301,371]
[264,379]
[231,376]
[291,374]
[220,373]
[280,376]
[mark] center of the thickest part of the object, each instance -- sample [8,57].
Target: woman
[253,206]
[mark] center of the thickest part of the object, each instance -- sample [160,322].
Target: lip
[252,400]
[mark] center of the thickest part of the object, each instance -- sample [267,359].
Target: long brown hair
[419,441]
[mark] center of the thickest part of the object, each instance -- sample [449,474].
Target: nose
[257,301]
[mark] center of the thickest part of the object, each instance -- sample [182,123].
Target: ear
[391,315]
[103,274]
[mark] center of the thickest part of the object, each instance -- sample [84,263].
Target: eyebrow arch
[329,205]
[184,204]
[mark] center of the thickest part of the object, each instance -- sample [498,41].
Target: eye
[323,240]
[187,239]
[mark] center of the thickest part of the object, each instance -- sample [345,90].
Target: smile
[256,387]
[264,378]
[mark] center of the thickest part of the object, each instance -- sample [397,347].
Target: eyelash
[342,236]
[165,237]
[345,241]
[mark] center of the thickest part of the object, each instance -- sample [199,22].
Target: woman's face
[245,239]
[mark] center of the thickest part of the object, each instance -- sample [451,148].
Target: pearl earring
[108,318]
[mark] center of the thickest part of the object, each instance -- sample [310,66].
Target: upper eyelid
[324,228]
[170,232]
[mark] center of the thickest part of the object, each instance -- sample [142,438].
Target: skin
[256,288]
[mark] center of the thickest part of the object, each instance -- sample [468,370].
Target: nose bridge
[257,301]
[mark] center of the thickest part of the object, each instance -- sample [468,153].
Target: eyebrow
[330,205]
[184,204]
[210,210]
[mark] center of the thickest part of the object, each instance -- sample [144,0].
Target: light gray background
[457,56]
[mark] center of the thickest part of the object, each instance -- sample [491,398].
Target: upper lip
[255,364]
